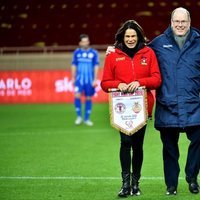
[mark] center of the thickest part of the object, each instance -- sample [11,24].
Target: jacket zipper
[132,64]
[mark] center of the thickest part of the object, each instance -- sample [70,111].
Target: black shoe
[124,192]
[135,190]
[171,190]
[126,189]
[194,187]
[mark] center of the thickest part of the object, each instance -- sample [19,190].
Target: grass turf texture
[45,156]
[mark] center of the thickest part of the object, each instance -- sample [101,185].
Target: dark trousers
[170,137]
[134,143]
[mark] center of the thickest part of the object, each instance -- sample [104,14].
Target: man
[178,99]
[84,72]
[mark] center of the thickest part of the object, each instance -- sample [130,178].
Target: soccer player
[84,70]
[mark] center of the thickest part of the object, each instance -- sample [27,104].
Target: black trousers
[170,137]
[134,143]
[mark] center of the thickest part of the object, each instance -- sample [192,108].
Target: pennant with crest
[128,111]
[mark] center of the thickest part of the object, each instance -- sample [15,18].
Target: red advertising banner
[41,86]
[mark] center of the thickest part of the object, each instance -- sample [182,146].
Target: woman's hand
[123,87]
[133,86]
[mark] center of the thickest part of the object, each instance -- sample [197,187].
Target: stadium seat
[47,23]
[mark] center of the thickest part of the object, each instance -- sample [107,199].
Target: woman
[132,65]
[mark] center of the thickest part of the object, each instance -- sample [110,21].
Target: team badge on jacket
[143,60]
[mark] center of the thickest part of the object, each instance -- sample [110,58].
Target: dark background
[60,22]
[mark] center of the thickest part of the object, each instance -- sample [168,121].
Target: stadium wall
[40,78]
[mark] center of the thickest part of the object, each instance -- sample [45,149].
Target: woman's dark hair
[130,24]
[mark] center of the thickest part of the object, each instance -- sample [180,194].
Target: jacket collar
[143,50]
[194,33]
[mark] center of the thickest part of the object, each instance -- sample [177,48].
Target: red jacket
[120,68]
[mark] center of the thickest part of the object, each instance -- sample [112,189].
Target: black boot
[193,185]
[135,190]
[125,190]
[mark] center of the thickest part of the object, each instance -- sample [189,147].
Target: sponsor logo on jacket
[167,45]
[120,59]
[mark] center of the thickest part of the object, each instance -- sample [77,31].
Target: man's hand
[94,83]
[110,49]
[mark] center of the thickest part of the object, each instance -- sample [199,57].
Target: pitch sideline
[71,178]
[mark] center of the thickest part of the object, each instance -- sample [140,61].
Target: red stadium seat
[28,23]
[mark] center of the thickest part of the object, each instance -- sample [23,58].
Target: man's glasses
[177,22]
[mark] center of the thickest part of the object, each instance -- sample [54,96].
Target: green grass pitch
[44,156]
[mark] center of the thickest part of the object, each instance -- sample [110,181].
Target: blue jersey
[85,62]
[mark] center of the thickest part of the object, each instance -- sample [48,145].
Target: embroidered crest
[137,107]
[143,60]
[120,108]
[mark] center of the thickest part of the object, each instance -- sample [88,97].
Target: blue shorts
[86,89]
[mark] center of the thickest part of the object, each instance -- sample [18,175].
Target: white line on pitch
[58,132]
[71,178]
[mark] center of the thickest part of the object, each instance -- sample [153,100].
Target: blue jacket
[178,98]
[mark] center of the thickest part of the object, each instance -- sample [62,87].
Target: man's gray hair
[181,9]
